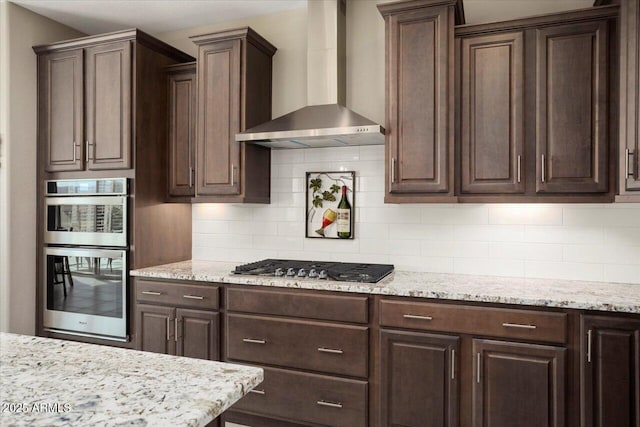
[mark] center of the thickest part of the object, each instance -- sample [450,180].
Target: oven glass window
[85,284]
[86,218]
[87,186]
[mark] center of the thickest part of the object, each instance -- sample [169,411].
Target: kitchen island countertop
[600,296]
[49,382]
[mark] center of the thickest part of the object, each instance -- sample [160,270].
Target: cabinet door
[218,118]
[610,372]
[630,96]
[108,106]
[156,329]
[182,132]
[572,114]
[419,379]
[61,110]
[518,384]
[420,111]
[492,117]
[198,334]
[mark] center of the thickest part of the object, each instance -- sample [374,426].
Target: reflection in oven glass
[86,218]
[87,285]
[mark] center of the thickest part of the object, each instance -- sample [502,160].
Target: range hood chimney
[325,122]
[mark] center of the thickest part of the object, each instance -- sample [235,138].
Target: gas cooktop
[324,270]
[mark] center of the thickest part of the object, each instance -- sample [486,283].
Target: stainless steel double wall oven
[86,257]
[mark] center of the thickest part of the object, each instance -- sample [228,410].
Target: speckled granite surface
[106,386]
[507,290]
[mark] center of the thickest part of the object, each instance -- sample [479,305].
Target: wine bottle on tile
[344,216]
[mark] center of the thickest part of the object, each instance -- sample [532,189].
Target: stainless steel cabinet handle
[543,171]
[193,297]
[329,404]
[415,316]
[589,346]
[233,175]
[256,391]
[91,144]
[253,341]
[519,166]
[478,357]
[151,293]
[190,177]
[518,326]
[168,329]
[392,178]
[627,163]
[453,364]
[330,350]
[175,329]
[86,151]
[74,151]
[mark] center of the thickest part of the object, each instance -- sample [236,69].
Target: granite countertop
[617,297]
[48,382]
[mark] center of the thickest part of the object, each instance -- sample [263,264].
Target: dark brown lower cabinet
[178,331]
[419,382]
[154,329]
[610,371]
[308,398]
[518,384]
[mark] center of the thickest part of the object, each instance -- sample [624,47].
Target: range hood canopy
[326,122]
[329,125]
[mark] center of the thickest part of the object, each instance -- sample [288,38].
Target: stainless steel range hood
[326,122]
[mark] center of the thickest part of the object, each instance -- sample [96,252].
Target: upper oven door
[98,221]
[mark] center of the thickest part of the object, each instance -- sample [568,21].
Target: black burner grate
[339,271]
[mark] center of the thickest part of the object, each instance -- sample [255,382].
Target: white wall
[285,30]
[586,242]
[21,29]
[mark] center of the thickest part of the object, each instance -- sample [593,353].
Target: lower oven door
[85,292]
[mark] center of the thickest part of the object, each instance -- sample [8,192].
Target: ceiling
[158,16]
[153,16]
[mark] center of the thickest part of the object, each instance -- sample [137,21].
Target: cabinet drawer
[497,322]
[312,306]
[317,346]
[196,296]
[309,398]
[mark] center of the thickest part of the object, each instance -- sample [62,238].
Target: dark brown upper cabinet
[610,353]
[572,131]
[492,113]
[535,108]
[234,93]
[86,93]
[518,384]
[182,89]
[629,166]
[108,106]
[419,97]
[418,382]
[61,119]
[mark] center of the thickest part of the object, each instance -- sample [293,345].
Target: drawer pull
[330,350]
[415,316]
[253,341]
[151,293]
[193,297]
[256,391]
[518,326]
[329,404]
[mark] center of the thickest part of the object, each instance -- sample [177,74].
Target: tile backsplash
[599,242]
